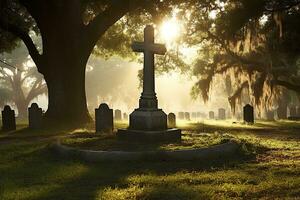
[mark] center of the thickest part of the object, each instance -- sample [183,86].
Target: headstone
[293,111]
[8,119]
[198,115]
[211,115]
[248,114]
[298,111]
[125,116]
[35,115]
[282,112]
[171,120]
[118,115]
[194,115]
[222,114]
[187,116]
[270,115]
[181,115]
[104,118]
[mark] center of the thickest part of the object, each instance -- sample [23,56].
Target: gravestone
[282,112]
[211,115]
[198,115]
[270,115]
[125,116]
[222,114]
[187,116]
[171,120]
[118,115]
[248,114]
[35,115]
[104,119]
[181,115]
[194,115]
[8,119]
[148,121]
[293,111]
[298,111]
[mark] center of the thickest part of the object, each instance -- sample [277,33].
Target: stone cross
[148,99]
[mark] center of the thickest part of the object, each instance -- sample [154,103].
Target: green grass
[29,170]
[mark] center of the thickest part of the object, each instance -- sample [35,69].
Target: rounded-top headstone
[103,106]
[7,108]
[34,105]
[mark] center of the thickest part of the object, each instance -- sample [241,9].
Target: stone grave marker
[298,111]
[118,115]
[222,114]
[104,119]
[198,115]
[194,115]
[248,114]
[187,116]
[125,116]
[181,115]
[293,111]
[282,112]
[8,119]
[270,115]
[35,115]
[211,115]
[171,120]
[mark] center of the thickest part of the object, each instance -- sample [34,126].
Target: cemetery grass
[269,167]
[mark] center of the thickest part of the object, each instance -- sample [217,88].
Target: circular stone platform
[215,152]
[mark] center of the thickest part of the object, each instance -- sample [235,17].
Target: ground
[269,167]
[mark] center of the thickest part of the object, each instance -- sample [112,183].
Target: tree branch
[26,39]
[287,85]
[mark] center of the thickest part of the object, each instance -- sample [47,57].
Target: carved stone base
[144,119]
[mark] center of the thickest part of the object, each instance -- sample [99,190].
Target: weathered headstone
[211,115]
[282,112]
[118,115]
[8,119]
[248,114]
[104,118]
[148,121]
[293,111]
[194,115]
[222,114]
[187,116]
[298,111]
[171,120]
[198,115]
[181,115]
[270,115]
[125,116]
[35,115]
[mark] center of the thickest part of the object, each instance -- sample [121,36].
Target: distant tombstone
[181,115]
[171,120]
[282,112]
[270,115]
[194,115]
[198,114]
[211,115]
[125,116]
[104,118]
[298,111]
[222,114]
[35,115]
[293,111]
[118,115]
[8,119]
[187,116]
[248,114]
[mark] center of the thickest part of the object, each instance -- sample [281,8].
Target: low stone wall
[220,151]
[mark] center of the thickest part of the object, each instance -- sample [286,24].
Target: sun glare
[170,30]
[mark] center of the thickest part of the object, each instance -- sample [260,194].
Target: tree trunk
[66,92]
